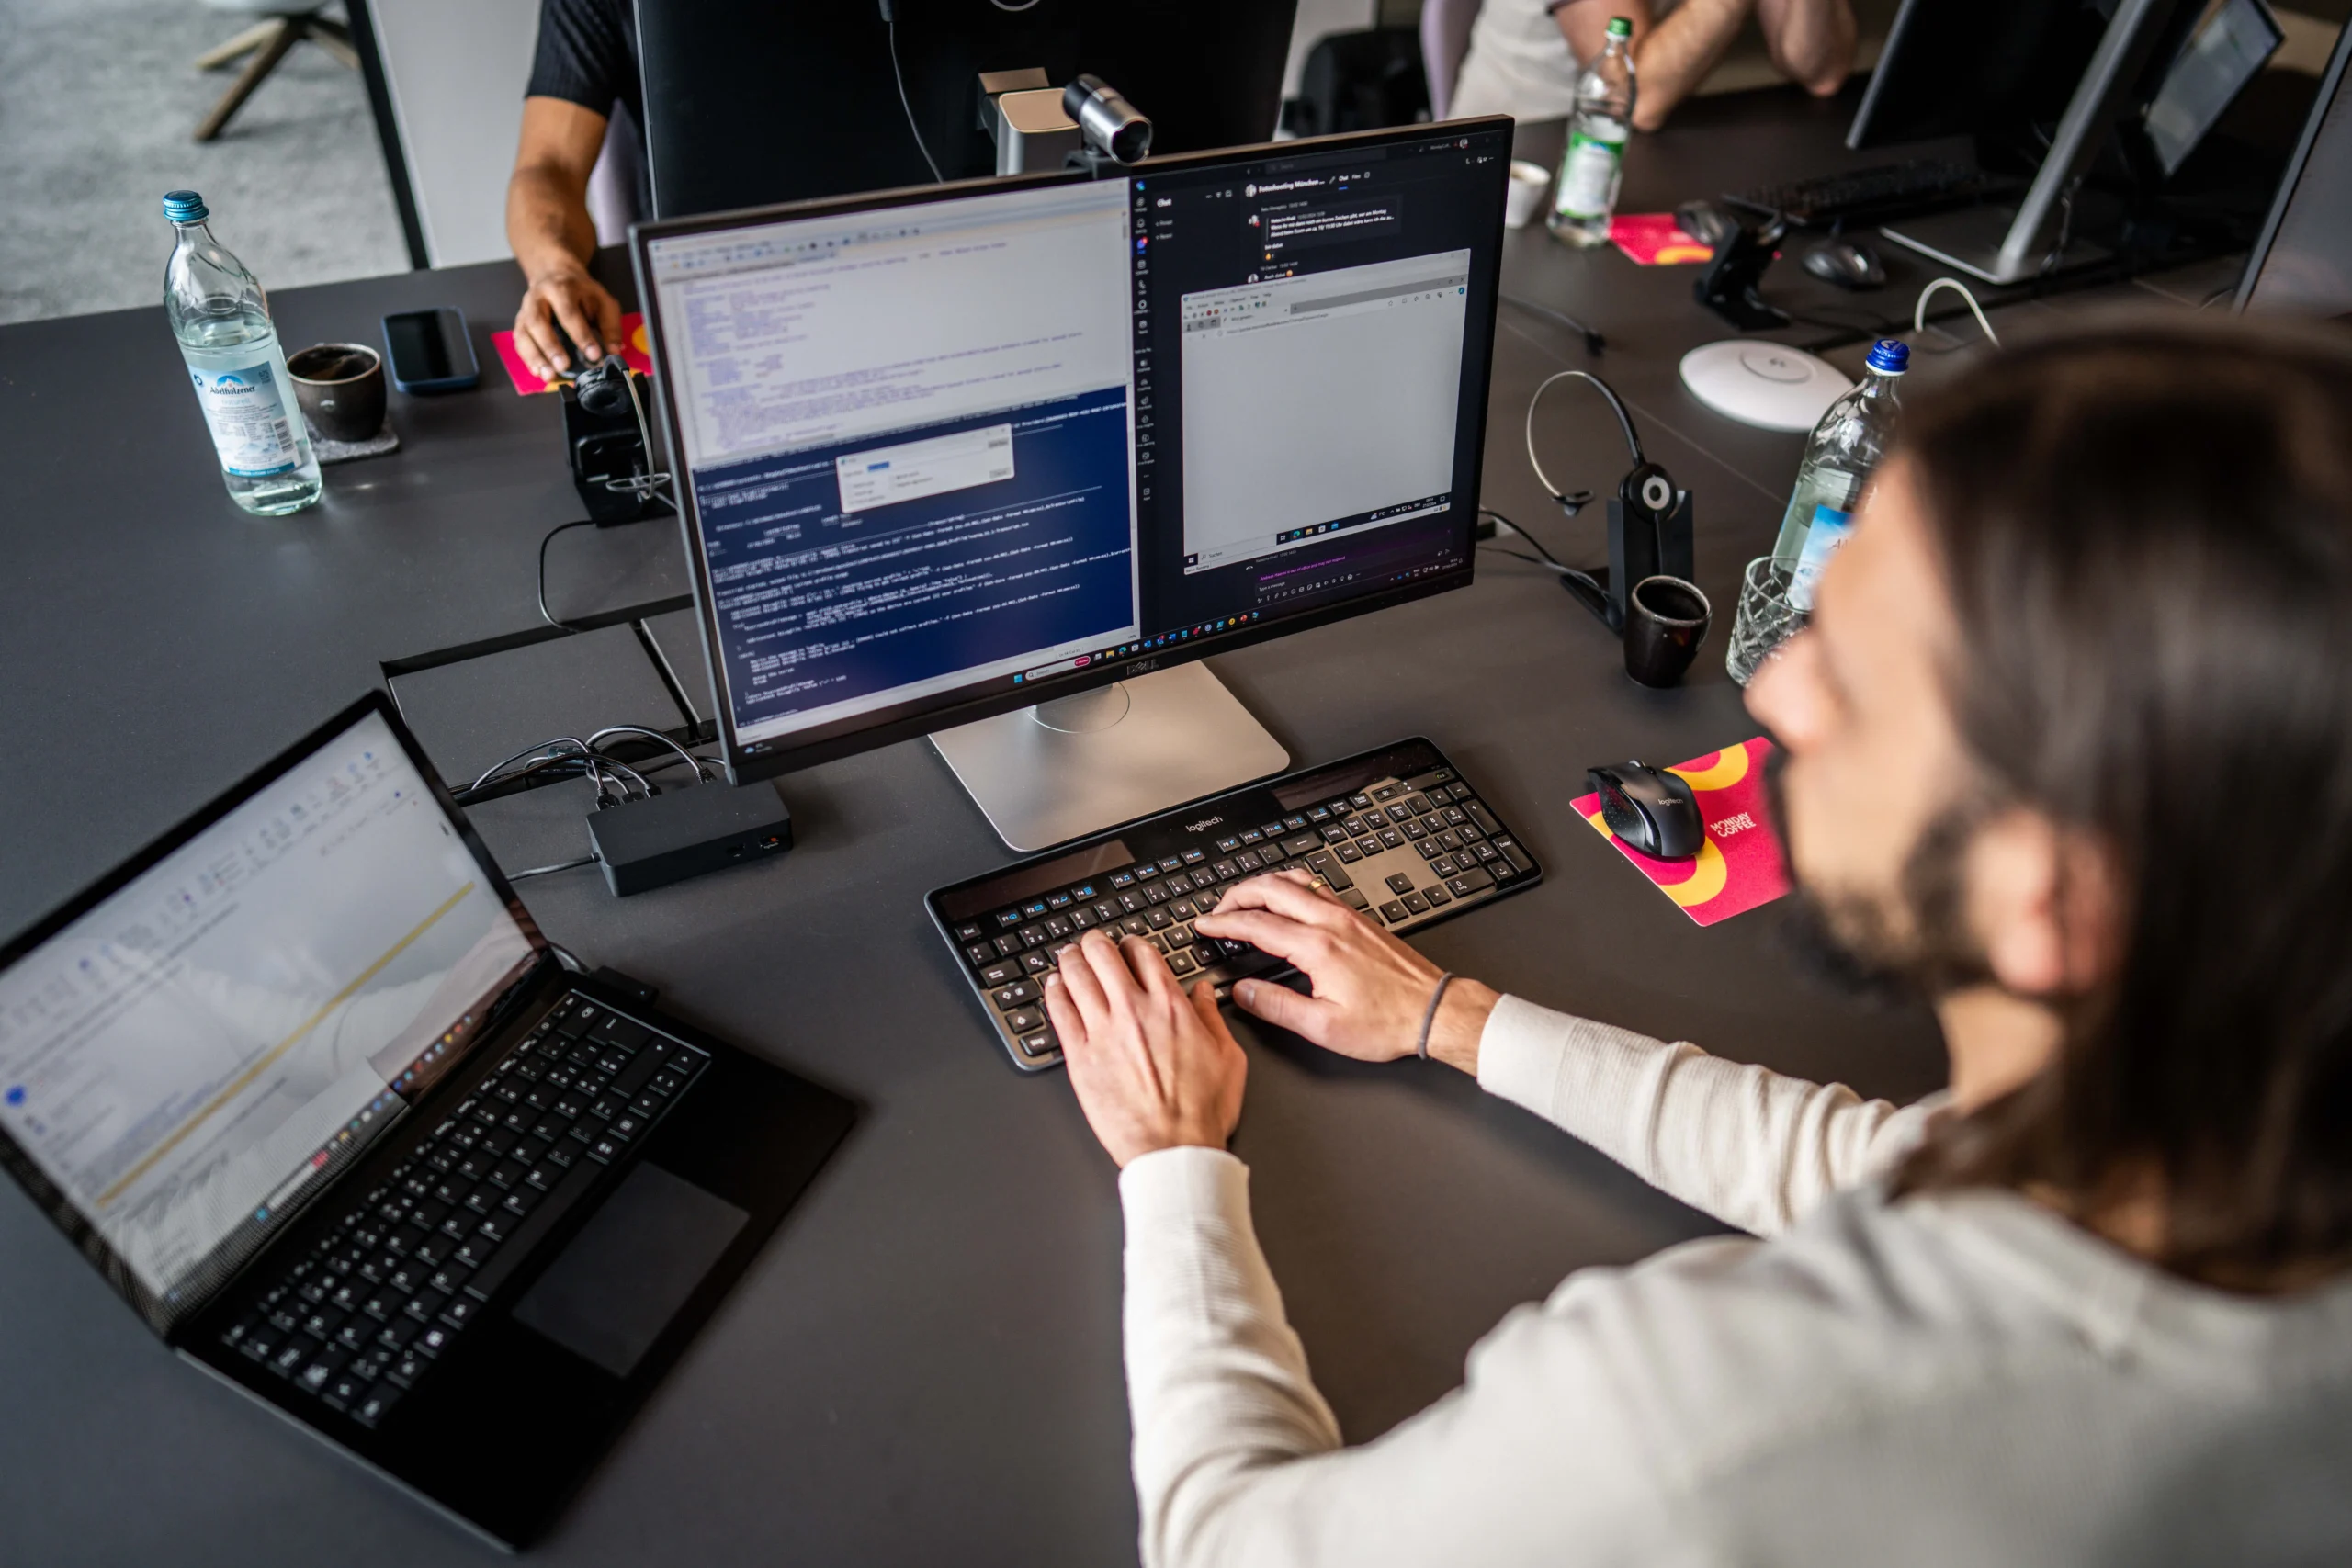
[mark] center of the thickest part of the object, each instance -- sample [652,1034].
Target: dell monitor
[2303,263]
[1000,462]
[790,100]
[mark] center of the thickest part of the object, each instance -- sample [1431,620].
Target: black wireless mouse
[1848,264]
[1650,809]
[1707,223]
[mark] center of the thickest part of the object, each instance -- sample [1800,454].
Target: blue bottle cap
[1889,357]
[183,207]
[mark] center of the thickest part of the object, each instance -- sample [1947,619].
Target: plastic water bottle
[222,318]
[1596,156]
[1839,457]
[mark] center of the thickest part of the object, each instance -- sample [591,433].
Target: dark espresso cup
[1665,620]
[341,387]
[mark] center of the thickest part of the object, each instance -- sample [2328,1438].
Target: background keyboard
[1397,833]
[1882,190]
[365,1312]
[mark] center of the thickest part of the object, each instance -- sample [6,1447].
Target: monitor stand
[2003,245]
[1079,764]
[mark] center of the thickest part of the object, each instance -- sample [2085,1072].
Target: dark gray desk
[924,1365]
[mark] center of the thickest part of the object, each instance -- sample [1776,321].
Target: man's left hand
[1153,1067]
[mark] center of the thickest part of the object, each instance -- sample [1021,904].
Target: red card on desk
[1739,864]
[1653,239]
[633,349]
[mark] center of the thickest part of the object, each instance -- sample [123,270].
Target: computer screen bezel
[962,706]
[161,1316]
[2331,82]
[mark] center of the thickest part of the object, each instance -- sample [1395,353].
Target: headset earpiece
[1648,489]
[603,388]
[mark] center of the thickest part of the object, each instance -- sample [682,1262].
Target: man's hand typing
[1371,991]
[1153,1067]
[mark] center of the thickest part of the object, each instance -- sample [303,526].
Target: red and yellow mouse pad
[1655,239]
[633,349]
[1739,864]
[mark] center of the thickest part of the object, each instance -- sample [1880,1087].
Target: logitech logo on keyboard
[1204,825]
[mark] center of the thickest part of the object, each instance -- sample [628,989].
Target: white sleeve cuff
[1581,1076]
[1187,1183]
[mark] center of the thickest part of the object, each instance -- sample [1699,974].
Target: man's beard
[1908,942]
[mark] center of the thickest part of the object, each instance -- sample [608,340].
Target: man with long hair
[2068,750]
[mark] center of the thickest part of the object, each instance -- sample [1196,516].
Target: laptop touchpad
[633,1265]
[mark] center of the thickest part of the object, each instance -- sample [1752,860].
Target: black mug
[340,386]
[1665,620]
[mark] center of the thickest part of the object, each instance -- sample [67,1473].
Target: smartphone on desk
[430,351]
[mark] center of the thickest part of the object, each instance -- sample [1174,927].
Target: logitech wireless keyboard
[1397,833]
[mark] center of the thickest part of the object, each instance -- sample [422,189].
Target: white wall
[456,71]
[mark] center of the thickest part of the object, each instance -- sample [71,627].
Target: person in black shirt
[584,76]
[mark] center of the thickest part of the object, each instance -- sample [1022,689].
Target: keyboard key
[1400,883]
[403,1372]
[1181,963]
[291,1356]
[1007,997]
[1475,880]
[1353,898]
[1392,911]
[1416,904]
[1037,1044]
[377,1404]
[1438,896]
[1000,974]
[434,1340]
[1023,1021]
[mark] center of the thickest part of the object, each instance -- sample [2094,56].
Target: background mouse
[1848,264]
[1649,808]
[1707,223]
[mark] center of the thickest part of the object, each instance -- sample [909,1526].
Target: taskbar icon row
[1142,645]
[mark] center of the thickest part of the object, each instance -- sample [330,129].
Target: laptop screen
[188,1060]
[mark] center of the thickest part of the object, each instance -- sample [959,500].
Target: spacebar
[533,1230]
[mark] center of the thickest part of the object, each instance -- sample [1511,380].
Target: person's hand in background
[1371,991]
[568,297]
[1153,1069]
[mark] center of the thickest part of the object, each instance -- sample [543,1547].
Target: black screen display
[1307,363]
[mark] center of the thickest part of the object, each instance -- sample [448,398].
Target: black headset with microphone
[1649,516]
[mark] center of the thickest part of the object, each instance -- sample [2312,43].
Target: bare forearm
[547,224]
[1460,1020]
[1812,41]
[1674,56]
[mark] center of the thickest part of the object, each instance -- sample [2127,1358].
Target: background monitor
[752,104]
[1993,67]
[2303,260]
[949,453]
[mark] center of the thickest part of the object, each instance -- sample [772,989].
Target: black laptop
[306,1084]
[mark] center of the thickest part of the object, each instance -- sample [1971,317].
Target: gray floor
[97,101]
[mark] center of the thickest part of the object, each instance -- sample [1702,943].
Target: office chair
[1445,41]
[262,46]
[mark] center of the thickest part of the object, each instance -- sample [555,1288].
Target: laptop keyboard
[1397,834]
[364,1314]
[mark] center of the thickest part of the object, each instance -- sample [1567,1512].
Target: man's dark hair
[2146,532]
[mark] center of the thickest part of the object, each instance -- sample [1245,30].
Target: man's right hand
[577,301]
[1371,990]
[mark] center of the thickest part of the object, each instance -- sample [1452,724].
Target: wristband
[1421,1047]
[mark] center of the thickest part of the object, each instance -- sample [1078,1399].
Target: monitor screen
[948,453]
[2303,262]
[186,1059]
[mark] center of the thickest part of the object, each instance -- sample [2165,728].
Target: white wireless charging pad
[1763,384]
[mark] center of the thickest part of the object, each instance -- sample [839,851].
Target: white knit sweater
[1960,1379]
